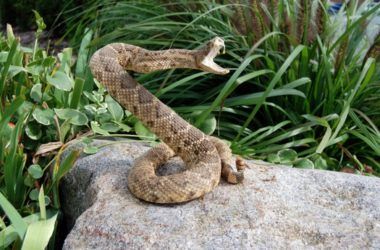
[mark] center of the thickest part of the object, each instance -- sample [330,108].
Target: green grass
[286,91]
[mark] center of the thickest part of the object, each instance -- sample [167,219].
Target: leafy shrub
[43,105]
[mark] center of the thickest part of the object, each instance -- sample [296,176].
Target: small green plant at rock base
[290,158]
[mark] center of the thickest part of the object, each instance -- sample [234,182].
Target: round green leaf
[25,107]
[33,195]
[114,108]
[36,93]
[47,200]
[33,131]
[29,181]
[90,150]
[103,118]
[86,140]
[273,158]
[35,171]
[96,129]
[143,132]
[43,116]
[74,116]
[209,125]
[60,80]
[110,127]
[320,163]
[304,163]
[287,155]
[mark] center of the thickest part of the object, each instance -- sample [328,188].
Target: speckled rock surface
[275,207]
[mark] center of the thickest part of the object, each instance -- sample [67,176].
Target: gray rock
[275,207]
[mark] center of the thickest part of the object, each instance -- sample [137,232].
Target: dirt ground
[46,40]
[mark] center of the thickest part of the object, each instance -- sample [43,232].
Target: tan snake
[206,157]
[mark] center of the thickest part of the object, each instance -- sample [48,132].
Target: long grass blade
[271,85]
[19,225]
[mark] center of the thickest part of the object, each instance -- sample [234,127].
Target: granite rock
[275,207]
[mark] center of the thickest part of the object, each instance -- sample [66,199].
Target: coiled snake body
[206,158]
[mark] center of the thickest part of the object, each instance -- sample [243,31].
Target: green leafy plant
[31,85]
[45,102]
[17,180]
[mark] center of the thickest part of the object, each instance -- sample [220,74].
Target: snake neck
[144,61]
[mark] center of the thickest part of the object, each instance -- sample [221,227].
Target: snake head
[206,61]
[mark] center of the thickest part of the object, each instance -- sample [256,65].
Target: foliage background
[292,97]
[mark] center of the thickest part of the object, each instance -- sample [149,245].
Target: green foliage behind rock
[295,83]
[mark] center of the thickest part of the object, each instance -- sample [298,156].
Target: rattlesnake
[206,157]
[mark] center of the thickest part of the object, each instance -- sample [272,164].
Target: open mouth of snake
[216,46]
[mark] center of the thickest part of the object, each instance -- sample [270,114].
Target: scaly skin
[203,156]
